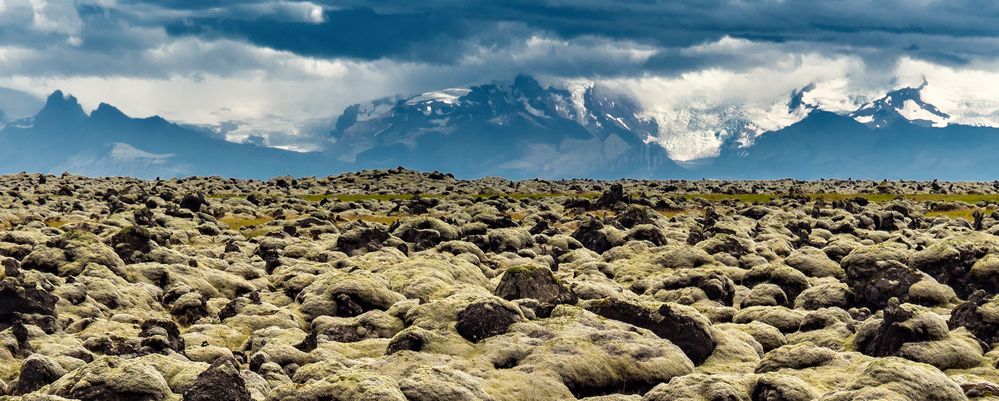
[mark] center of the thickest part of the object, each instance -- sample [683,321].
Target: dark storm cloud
[357,33]
[109,37]
[444,31]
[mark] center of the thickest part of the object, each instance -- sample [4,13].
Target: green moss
[522,269]
[257,232]
[388,197]
[83,236]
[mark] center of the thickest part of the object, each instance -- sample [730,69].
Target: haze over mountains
[522,129]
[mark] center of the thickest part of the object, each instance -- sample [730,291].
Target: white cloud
[969,94]
[210,81]
[58,16]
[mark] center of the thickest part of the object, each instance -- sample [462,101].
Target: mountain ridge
[517,129]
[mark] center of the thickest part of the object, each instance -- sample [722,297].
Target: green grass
[56,223]
[841,197]
[967,198]
[241,222]
[249,226]
[965,214]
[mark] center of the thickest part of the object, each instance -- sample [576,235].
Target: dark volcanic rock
[968,315]
[132,243]
[715,285]
[535,282]
[362,240]
[17,297]
[45,259]
[221,381]
[193,202]
[873,283]
[610,198]
[36,372]
[636,215]
[590,234]
[691,335]
[482,320]
[410,340]
[894,331]
[161,334]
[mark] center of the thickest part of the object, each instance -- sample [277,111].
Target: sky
[284,66]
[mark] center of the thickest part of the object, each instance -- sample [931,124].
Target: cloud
[276,64]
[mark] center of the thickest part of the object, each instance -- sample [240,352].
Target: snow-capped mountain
[522,129]
[696,130]
[906,105]
[519,129]
[575,111]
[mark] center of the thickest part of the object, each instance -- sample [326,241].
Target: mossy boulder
[535,282]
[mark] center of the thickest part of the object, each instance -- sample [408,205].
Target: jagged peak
[58,99]
[905,104]
[106,111]
[61,107]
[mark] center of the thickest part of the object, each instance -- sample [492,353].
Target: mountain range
[523,129]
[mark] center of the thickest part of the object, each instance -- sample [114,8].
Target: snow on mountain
[522,129]
[446,96]
[697,129]
[905,104]
[512,128]
[687,131]
[694,130]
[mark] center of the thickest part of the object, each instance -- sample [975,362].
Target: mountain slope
[62,137]
[826,145]
[901,105]
[517,130]
[15,105]
[522,129]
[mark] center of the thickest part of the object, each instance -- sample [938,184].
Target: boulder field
[397,285]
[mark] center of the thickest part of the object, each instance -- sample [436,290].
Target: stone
[221,381]
[482,320]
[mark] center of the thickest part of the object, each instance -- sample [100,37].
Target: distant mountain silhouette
[826,145]
[519,129]
[62,137]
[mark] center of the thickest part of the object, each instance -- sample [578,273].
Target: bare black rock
[221,381]
[482,320]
